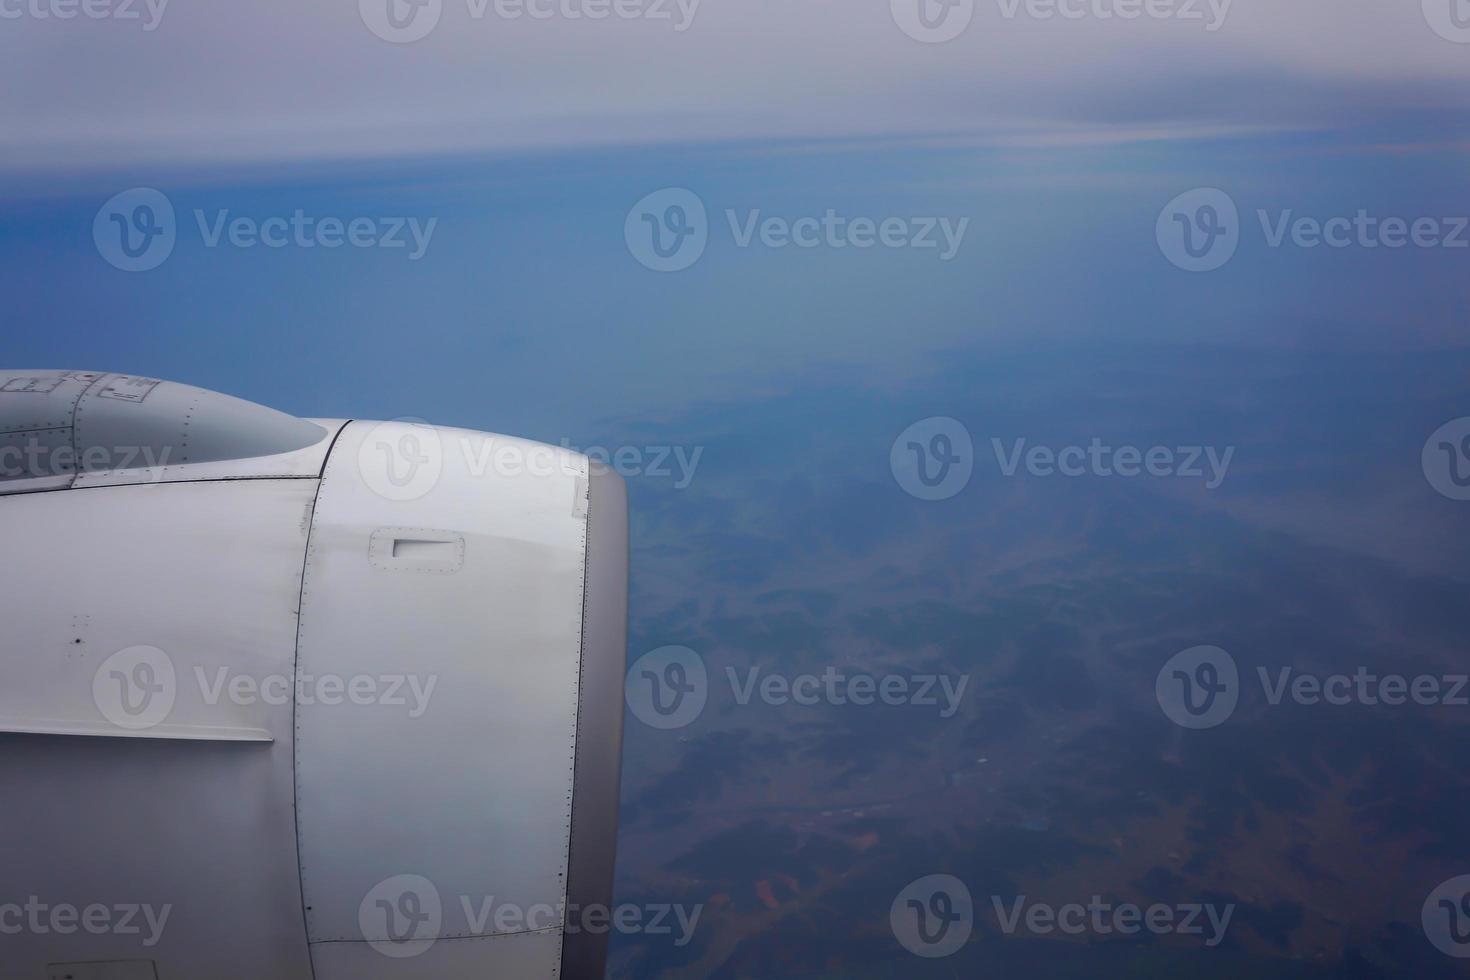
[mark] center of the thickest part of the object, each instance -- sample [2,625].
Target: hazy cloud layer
[134,81]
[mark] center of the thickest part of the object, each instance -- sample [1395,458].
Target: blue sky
[527,293]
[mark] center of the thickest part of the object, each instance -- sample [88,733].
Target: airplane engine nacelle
[286,698]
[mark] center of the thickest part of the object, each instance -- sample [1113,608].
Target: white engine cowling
[286,698]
